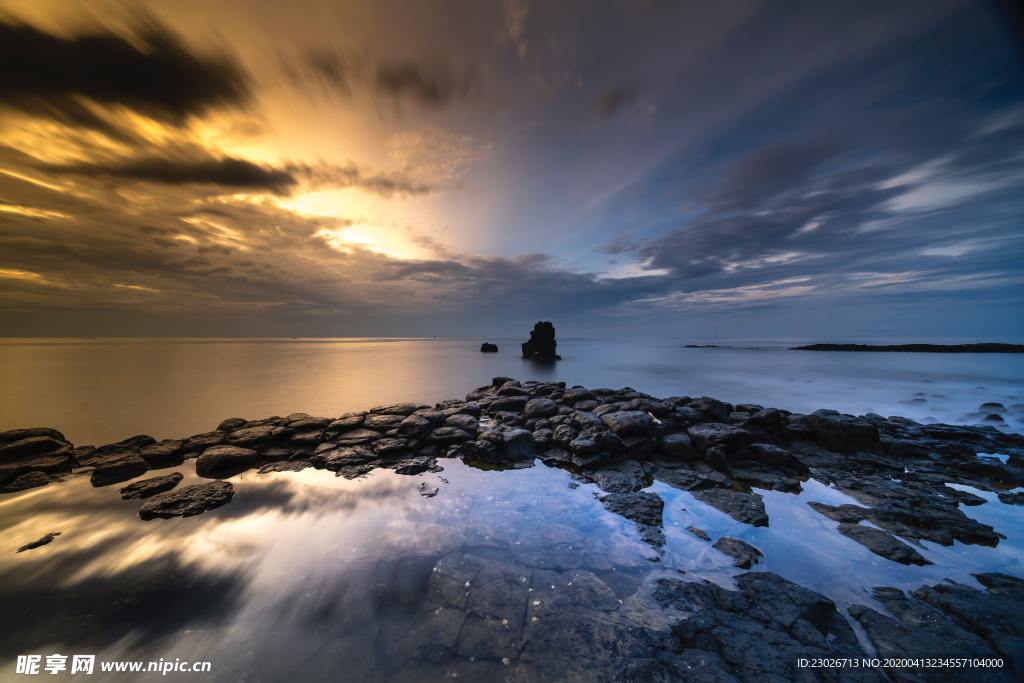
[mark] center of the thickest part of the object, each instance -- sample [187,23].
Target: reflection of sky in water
[101,390]
[303,571]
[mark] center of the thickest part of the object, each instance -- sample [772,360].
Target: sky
[824,170]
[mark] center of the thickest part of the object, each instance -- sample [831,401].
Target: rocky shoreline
[622,440]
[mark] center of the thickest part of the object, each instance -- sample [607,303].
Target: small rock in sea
[147,488]
[541,345]
[743,507]
[427,490]
[992,407]
[488,347]
[188,501]
[699,533]
[742,553]
[994,417]
[1012,498]
[39,542]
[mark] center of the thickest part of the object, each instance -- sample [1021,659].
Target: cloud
[432,84]
[224,172]
[614,99]
[153,73]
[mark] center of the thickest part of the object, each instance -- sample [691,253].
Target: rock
[842,432]
[759,632]
[699,533]
[742,553]
[917,629]
[249,436]
[397,409]
[644,509]
[447,435]
[427,490]
[1012,498]
[358,436]
[166,453]
[539,407]
[883,543]
[224,461]
[715,409]
[389,446]
[117,467]
[383,421]
[188,500]
[26,481]
[743,507]
[510,443]
[346,422]
[678,446]
[39,542]
[629,422]
[487,347]
[576,394]
[413,426]
[38,441]
[146,488]
[711,434]
[466,423]
[512,404]
[541,345]
[231,424]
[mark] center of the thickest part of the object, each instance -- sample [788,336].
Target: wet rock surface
[188,500]
[39,542]
[146,488]
[561,611]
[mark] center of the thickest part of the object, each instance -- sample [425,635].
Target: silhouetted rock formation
[488,347]
[541,345]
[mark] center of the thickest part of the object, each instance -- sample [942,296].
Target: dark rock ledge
[622,440]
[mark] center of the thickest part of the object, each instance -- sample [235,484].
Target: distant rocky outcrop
[541,345]
[917,348]
[488,347]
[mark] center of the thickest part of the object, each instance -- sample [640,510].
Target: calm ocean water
[308,576]
[98,391]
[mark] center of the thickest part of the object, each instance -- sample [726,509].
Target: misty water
[100,391]
[307,576]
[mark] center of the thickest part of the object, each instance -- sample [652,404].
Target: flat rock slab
[221,461]
[743,507]
[644,509]
[742,553]
[883,543]
[39,542]
[146,488]
[188,501]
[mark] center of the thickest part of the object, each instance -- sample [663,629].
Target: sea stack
[488,347]
[541,345]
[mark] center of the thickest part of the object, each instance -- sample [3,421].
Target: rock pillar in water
[541,345]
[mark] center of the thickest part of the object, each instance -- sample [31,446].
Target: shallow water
[100,391]
[307,576]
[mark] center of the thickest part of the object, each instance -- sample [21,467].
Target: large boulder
[540,407]
[541,345]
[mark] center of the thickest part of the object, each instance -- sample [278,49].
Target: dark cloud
[428,83]
[226,172]
[612,100]
[154,74]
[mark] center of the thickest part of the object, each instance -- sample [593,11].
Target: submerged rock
[188,500]
[39,542]
[487,347]
[742,553]
[644,509]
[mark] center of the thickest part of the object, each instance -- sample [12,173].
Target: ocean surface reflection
[101,391]
[307,576]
